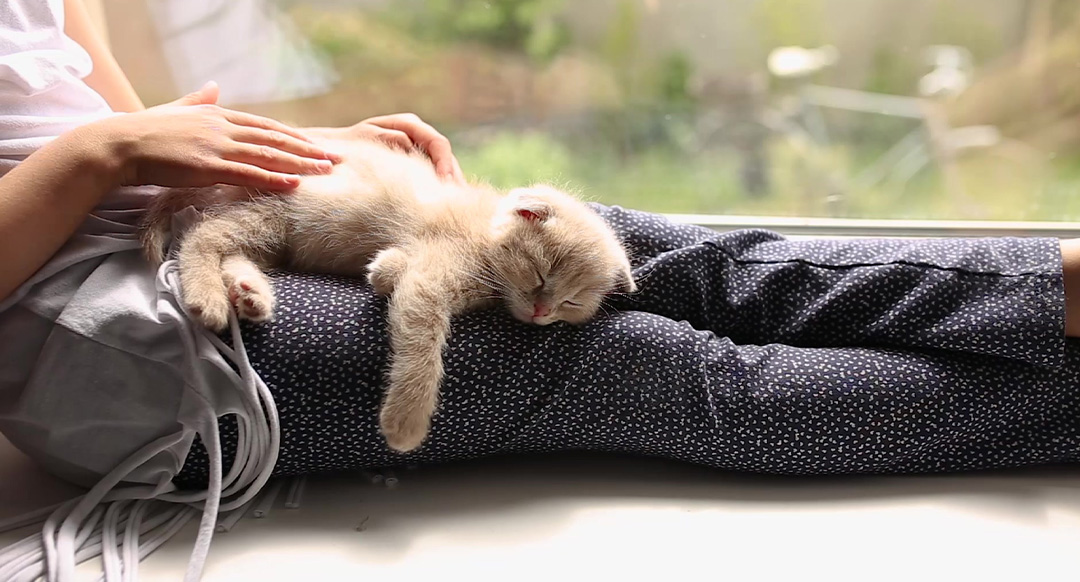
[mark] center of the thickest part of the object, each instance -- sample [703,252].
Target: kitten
[437,249]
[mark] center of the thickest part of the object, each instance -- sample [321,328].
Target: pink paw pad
[250,301]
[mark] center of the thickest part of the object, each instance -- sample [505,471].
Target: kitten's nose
[540,310]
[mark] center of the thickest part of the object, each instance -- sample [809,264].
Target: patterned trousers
[742,350]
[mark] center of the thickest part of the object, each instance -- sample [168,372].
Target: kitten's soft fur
[436,248]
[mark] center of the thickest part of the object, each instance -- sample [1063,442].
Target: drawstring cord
[90,525]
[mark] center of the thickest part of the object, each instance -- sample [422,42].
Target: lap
[664,375]
[995,296]
[643,383]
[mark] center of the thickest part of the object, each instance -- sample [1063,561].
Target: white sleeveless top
[41,69]
[103,379]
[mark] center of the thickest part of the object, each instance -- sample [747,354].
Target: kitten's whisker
[492,281]
[608,310]
[485,278]
[630,297]
[480,278]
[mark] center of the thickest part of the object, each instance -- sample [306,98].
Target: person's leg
[651,236]
[642,383]
[993,296]
[647,385]
[647,235]
[1070,259]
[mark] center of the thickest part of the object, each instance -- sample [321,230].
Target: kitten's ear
[624,282]
[530,207]
[532,214]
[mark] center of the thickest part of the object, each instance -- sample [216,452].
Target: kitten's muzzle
[541,309]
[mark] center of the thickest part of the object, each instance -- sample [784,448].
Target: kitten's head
[554,258]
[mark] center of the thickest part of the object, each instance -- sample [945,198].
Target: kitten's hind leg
[386,269]
[248,289]
[201,284]
[228,237]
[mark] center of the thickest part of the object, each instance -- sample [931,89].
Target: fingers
[457,174]
[283,142]
[422,134]
[251,120]
[447,167]
[208,95]
[442,157]
[270,158]
[394,138]
[248,176]
[426,138]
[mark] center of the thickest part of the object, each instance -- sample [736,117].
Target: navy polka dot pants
[743,351]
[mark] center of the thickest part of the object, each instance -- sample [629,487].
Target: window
[879,109]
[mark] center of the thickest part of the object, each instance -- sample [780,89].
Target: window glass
[927,109]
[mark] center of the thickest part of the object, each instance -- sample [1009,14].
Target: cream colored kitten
[437,249]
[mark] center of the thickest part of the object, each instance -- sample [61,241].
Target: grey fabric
[92,336]
[105,382]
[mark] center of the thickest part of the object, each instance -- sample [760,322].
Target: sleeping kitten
[436,249]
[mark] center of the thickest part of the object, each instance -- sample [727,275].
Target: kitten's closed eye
[571,303]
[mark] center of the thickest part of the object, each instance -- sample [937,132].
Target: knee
[647,334]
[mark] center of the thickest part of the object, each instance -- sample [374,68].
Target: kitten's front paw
[253,298]
[385,270]
[404,431]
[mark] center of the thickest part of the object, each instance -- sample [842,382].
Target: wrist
[103,153]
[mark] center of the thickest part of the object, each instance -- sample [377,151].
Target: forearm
[111,83]
[45,199]
[1070,265]
[106,77]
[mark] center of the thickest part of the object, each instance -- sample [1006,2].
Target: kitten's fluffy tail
[156,224]
[152,236]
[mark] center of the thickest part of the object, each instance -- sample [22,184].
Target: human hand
[193,143]
[403,130]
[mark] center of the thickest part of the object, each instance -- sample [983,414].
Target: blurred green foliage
[643,148]
[510,159]
[531,27]
[790,23]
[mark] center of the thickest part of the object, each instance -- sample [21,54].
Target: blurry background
[936,109]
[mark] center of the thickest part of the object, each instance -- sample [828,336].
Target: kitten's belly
[336,235]
[341,220]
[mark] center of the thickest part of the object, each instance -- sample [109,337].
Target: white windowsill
[851,227]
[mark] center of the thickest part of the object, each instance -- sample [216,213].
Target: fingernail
[324,166]
[333,157]
[291,181]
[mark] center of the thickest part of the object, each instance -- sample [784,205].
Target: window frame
[888,228]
